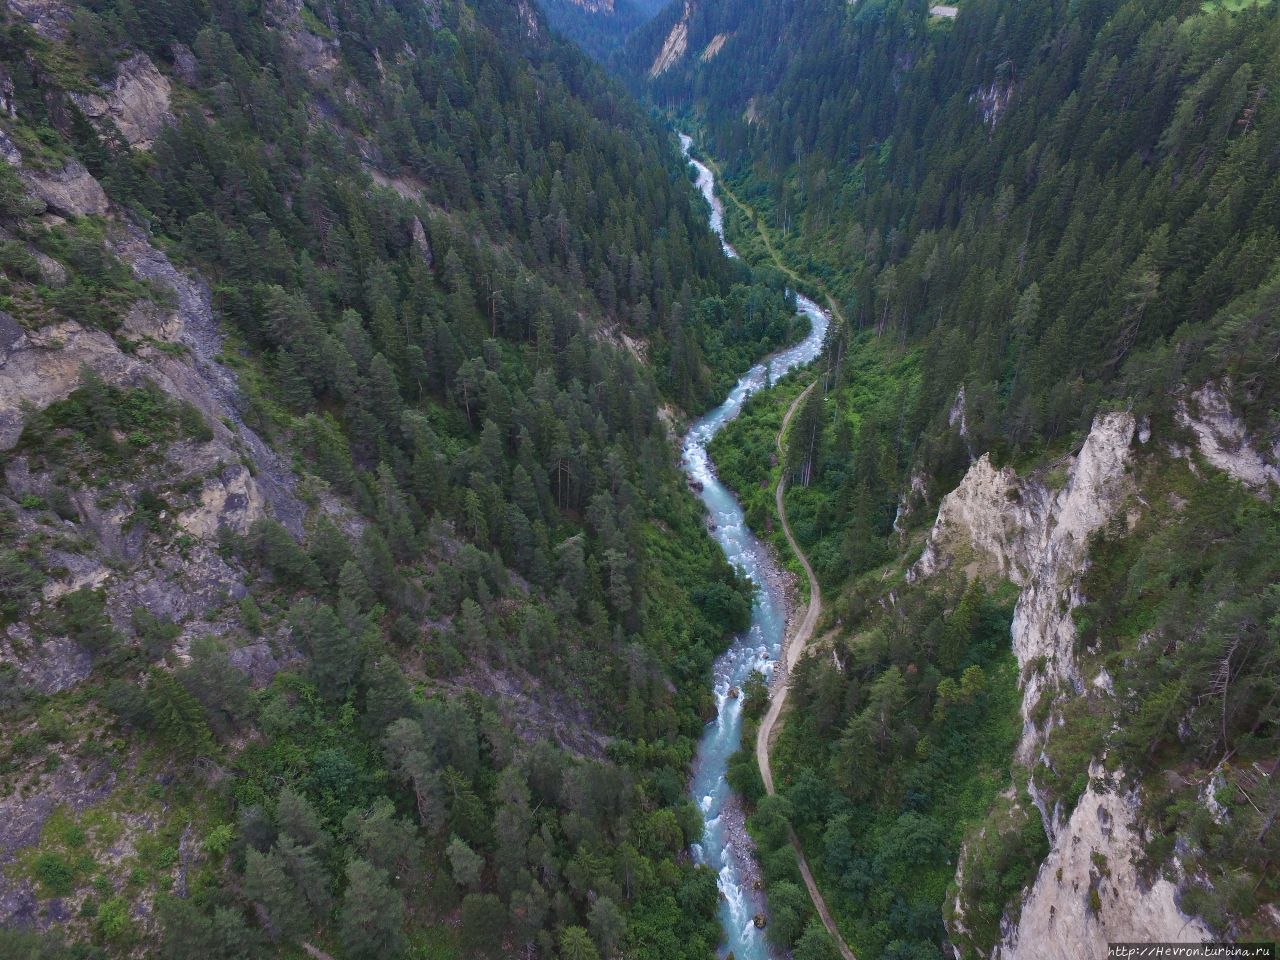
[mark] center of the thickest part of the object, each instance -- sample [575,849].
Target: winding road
[792,651]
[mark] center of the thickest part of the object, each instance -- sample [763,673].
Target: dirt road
[791,653]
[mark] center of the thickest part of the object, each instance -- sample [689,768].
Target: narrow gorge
[725,845]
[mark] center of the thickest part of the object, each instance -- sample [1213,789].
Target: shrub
[113,919]
[81,615]
[55,874]
[20,582]
[219,839]
[156,633]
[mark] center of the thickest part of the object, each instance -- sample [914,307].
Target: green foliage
[156,633]
[1000,860]
[20,582]
[1092,247]
[483,922]
[575,944]
[281,555]
[177,716]
[464,864]
[29,945]
[100,288]
[80,437]
[743,774]
[113,920]
[196,933]
[677,922]
[886,767]
[1030,240]
[788,909]
[755,696]
[55,873]
[81,615]
[218,840]
[267,883]
[448,357]
[78,280]
[371,914]
[816,944]
[1183,614]
[842,493]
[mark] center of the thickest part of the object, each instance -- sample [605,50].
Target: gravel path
[791,653]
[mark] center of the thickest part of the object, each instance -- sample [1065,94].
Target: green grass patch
[1231,6]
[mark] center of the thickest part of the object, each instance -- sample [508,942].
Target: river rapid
[725,846]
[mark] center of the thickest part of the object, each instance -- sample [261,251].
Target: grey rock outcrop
[49,18]
[1062,920]
[1224,440]
[675,45]
[69,192]
[315,55]
[997,524]
[136,102]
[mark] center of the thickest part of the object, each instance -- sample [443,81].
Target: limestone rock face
[225,481]
[1062,920]
[530,19]
[1225,442]
[184,63]
[317,56]
[714,47]
[674,47]
[230,500]
[198,377]
[1035,533]
[69,192]
[984,524]
[10,334]
[996,524]
[49,18]
[257,662]
[137,101]
[40,367]
[423,243]
[1042,625]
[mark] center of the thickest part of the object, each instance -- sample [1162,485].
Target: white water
[724,848]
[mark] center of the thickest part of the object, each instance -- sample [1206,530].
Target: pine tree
[335,652]
[372,915]
[265,880]
[575,944]
[178,715]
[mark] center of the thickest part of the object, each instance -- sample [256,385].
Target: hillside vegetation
[352,602]
[1053,231]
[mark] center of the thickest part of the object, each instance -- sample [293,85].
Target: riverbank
[793,648]
[798,626]
[725,846]
[814,287]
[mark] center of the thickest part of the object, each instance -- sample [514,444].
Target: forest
[463,282]
[1028,217]
[352,603]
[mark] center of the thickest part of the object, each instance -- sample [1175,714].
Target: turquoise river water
[725,846]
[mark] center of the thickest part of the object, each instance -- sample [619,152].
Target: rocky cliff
[1035,530]
[136,102]
[675,45]
[1025,531]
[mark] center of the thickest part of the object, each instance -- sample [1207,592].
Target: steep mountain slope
[351,601]
[1045,720]
[598,26]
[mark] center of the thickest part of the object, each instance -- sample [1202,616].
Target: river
[725,847]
